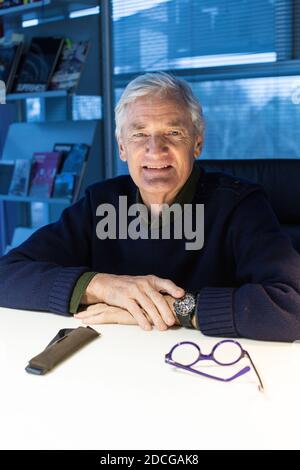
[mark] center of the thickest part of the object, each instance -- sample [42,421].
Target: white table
[117,392]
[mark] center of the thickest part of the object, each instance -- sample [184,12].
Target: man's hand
[102,313]
[139,296]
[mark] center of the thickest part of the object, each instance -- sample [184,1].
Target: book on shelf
[64,149]
[10,3]
[6,173]
[70,65]
[37,65]
[74,160]
[2,92]
[15,3]
[10,56]
[44,170]
[64,185]
[20,179]
[11,38]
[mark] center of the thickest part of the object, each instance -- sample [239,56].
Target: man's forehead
[168,113]
[142,121]
[154,102]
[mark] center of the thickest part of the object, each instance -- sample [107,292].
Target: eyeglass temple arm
[181,366]
[261,387]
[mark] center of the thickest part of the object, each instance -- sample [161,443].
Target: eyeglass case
[65,343]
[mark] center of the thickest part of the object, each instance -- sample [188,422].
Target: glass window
[251,118]
[248,118]
[33,110]
[245,118]
[175,34]
[86,108]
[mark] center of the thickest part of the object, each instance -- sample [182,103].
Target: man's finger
[167,286]
[162,306]
[138,314]
[119,316]
[91,310]
[149,307]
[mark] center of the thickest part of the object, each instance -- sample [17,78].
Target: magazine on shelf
[37,65]
[15,3]
[44,169]
[2,92]
[9,59]
[64,149]
[10,3]
[6,173]
[64,185]
[75,159]
[70,65]
[21,176]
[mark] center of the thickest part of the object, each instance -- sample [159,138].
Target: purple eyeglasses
[225,353]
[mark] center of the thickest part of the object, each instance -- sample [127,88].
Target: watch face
[185,306]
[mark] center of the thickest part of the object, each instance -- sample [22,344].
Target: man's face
[158,142]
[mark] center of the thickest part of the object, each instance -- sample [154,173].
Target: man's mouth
[157,167]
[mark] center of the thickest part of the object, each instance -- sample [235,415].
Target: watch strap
[186,320]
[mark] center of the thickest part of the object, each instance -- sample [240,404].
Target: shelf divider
[11,198]
[19,9]
[43,94]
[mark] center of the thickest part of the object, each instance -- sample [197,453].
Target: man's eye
[139,134]
[174,133]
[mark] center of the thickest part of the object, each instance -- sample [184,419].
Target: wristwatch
[185,309]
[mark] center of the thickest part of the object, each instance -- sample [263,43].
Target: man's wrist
[79,290]
[90,296]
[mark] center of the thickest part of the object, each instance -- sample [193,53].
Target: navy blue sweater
[246,275]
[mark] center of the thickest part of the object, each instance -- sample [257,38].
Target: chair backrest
[280,179]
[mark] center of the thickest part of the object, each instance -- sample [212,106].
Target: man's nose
[156,145]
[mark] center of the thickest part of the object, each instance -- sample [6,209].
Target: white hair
[159,83]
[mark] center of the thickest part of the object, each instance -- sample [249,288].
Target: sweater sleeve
[266,303]
[41,273]
[79,290]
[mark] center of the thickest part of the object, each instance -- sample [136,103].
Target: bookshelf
[56,123]
[42,95]
[77,29]
[46,9]
[2,93]
[46,135]
[21,9]
[50,200]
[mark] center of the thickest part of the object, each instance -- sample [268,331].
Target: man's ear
[122,152]
[198,145]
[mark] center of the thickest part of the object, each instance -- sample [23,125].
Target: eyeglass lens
[227,352]
[185,354]
[224,353]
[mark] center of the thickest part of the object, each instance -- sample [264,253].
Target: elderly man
[242,279]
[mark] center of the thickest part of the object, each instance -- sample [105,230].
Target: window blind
[245,117]
[176,34]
